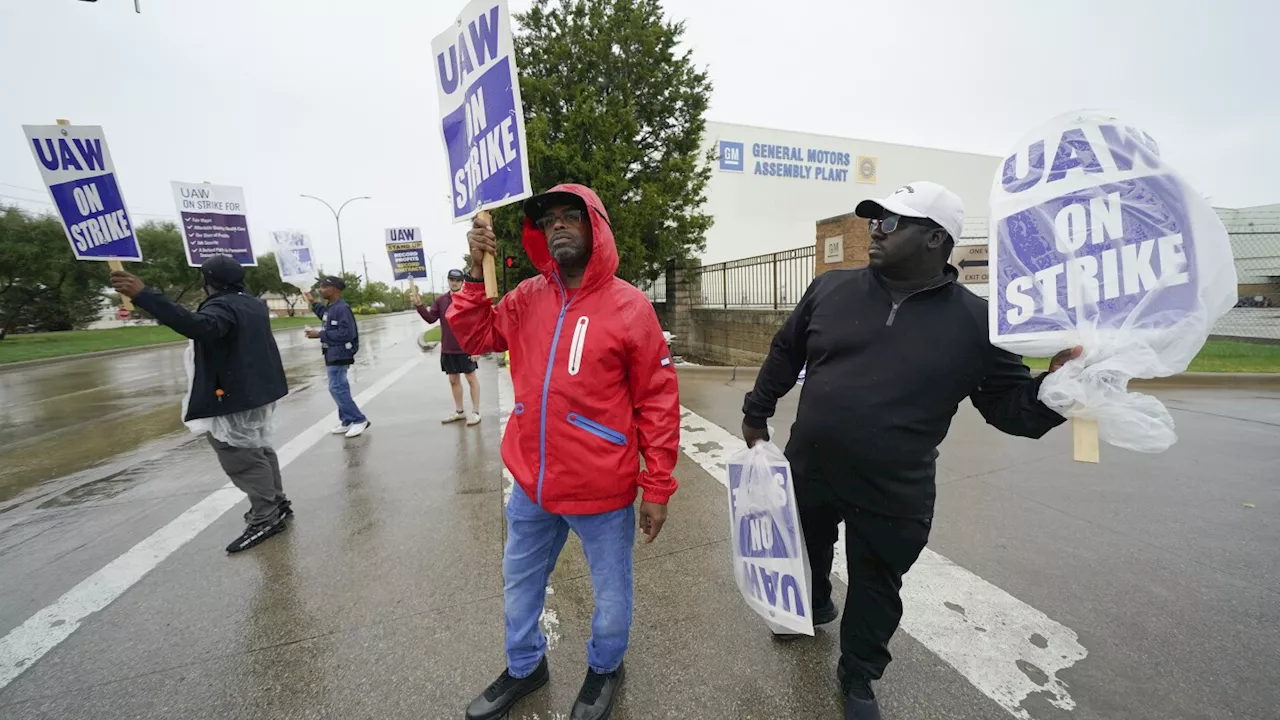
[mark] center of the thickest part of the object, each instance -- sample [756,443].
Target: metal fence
[773,281]
[778,280]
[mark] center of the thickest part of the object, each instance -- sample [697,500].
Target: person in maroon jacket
[454,361]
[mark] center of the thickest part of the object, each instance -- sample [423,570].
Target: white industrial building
[769,187]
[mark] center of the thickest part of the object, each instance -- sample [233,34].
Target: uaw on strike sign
[1097,242]
[76,167]
[481,116]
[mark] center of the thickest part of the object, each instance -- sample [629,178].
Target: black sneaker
[505,692]
[255,534]
[286,509]
[823,614]
[595,700]
[859,700]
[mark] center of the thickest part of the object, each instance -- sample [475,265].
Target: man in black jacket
[892,350]
[236,377]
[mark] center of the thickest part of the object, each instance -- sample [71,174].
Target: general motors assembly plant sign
[77,169]
[404,248]
[213,222]
[481,118]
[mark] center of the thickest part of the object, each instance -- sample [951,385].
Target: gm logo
[731,156]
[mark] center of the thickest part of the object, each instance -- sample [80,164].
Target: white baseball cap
[921,199]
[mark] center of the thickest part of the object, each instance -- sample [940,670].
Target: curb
[97,354]
[1184,380]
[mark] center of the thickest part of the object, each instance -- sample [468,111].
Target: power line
[22,187]
[170,216]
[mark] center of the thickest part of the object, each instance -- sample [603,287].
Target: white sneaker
[473,419]
[453,417]
[357,429]
[339,430]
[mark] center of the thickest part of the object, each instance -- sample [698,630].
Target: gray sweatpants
[256,471]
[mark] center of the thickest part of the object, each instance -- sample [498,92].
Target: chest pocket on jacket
[579,344]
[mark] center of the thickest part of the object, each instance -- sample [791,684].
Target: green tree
[164,264]
[610,101]
[42,286]
[265,279]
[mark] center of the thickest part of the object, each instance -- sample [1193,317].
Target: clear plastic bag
[770,564]
[252,428]
[1097,242]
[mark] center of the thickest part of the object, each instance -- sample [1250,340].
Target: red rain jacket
[594,385]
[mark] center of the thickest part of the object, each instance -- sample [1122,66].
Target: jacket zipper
[578,345]
[603,432]
[546,388]
[893,312]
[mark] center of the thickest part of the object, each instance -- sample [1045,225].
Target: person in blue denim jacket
[340,341]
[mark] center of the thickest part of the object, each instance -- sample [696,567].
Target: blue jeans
[534,540]
[340,389]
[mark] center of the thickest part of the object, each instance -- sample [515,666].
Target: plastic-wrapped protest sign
[769,559]
[1097,242]
[295,258]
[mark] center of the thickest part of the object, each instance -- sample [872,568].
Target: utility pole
[365,258]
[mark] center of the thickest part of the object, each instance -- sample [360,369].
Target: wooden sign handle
[1084,439]
[490,261]
[124,300]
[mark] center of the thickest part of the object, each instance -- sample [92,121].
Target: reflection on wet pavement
[64,418]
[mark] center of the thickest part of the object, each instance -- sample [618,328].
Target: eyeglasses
[889,223]
[570,217]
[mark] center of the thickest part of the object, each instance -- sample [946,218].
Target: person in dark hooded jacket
[595,391]
[235,377]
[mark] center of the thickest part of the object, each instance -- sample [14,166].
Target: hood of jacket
[604,251]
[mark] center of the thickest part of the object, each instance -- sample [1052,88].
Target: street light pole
[337,219]
[431,269]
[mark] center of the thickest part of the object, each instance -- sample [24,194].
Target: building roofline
[854,139]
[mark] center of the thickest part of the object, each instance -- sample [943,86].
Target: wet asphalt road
[383,600]
[64,418]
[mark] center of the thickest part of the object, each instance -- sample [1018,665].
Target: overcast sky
[335,97]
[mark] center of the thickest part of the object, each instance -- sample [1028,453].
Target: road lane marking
[27,643]
[1007,649]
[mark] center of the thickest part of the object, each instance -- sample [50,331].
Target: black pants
[878,550]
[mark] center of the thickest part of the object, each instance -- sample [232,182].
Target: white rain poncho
[245,429]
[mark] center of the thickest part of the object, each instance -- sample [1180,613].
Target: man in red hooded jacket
[595,391]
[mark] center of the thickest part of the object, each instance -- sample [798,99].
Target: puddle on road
[66,453]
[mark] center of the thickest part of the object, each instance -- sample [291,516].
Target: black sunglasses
[889,223]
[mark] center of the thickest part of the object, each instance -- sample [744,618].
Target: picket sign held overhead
[1097,242]
[295,258]
[76,167]
[214,222]
[405,251]
[481,116]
